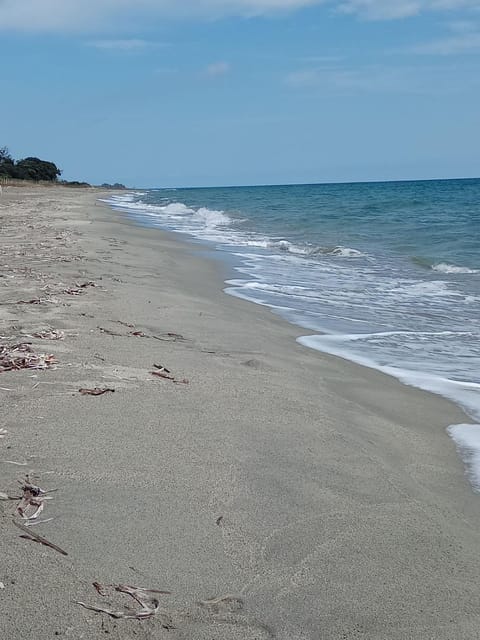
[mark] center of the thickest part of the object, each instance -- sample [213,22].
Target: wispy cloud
[467,43]
[404,80]
[344,80]
[396,9]
[217,69]
[85,15]
[463,38]
[382,9]
[123,45]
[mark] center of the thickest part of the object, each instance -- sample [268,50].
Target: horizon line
[307,184]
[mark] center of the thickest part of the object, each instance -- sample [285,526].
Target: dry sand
[314,498]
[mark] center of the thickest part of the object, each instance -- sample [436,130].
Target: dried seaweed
[32,523]
[24,347]
[169,337]
[49,334]
[165,373]
[110,333]
[31,535]
[32,501]
[95,392]
[161,368]
[38,301]
[99,588]
[32,301]
[161,374]
[215,605]
[72,292]
[149,605]
[21,356]
[29,508]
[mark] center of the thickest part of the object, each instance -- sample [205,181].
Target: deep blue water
[385,274]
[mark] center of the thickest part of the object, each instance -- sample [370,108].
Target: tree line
[27,168]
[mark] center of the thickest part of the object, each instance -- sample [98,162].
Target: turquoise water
[384,274]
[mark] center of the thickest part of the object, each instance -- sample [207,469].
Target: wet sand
[310,498]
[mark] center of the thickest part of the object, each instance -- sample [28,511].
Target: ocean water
[383,274]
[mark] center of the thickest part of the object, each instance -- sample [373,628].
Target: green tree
[36,169]
[7,164]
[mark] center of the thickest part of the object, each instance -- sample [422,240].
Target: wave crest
[346,252]
[444,267]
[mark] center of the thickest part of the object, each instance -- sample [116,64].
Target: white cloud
[394,9]
[464,37]
[217,69]
[87,14]
[382,9]
[91,14]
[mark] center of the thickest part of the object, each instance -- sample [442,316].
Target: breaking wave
[444,267]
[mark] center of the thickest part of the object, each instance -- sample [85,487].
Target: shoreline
[323,497]
[464,435]
[201,250]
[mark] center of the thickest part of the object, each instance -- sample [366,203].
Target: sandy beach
[274,491]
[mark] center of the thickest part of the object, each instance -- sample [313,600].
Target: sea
[385,274]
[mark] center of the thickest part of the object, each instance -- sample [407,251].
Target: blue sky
[220,92]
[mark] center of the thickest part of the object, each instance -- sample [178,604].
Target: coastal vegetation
[115,185]
[30,168]
[34,169]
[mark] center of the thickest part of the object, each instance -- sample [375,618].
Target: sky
[155,93]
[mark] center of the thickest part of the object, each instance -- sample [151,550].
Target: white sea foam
[285,246]
[444,267]
[203,221]
[196,221]
[346,252]
[269,288]
[174,208]
[212,218]
[425,288]
[467,441]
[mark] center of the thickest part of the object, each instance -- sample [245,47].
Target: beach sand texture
[279,493]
